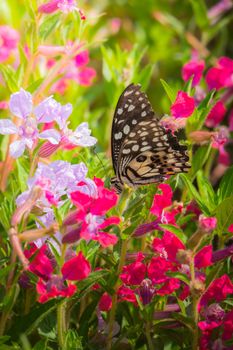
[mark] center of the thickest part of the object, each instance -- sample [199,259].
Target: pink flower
[126,294]
[40,265]
[204,257]
[161,201]
[3,105]
[51,6]
[216,115]
[9,39]
[91,214]
[207,224]
[105,302]
[183,106]
[76,269]
[54,288]
[77,71]
[167,246]
[218,290]
[193,68]
[230,228]
[228,326]
[133,274]
[221,75]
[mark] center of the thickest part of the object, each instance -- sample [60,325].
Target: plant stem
[114,298]
[195,300]
[61,324]
[148,336]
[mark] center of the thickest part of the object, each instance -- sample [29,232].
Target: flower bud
[146,291]
[207,224]
[197,287]
[214,312]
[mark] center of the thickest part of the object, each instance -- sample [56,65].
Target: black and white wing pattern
[143,152]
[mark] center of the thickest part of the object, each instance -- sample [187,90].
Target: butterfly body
[143,152]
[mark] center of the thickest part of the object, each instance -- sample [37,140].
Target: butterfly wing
[132,106]
[149,154]
[143,151]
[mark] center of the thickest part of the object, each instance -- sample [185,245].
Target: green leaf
[41,345]
[26,324]
[224,214]
[73,340]
[199,159]
[9,76]
[187,321]
[48,26]
[226,185]
[169,91]
[180,276]
[34,86]
[47,327]
[200,13]
[22,175]
[145,75]
[194,193]
[176,230]
[207,191]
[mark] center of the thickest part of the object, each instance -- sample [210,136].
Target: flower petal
[17,148]
[21,104]
[7,127]
[53,136]
[183,106]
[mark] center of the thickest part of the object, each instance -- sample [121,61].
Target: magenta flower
[53,288]
[77,71]
[193,68]
[217,291]
[91,214]
[76,269]
[134,274]
[216,115]
[207,224]
[220,76]
[219,9]
[40,265]
[105,303]
[161,201]
[51,6]
[183,106]
[9,39]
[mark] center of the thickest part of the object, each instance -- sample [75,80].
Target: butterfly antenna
[94,151]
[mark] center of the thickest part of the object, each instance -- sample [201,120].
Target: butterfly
[143,152]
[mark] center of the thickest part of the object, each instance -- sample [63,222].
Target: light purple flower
[49,110]
[58,179]
[79,137]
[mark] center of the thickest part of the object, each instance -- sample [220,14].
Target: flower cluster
[27,129]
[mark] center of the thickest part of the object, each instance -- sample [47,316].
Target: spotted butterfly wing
[143,152]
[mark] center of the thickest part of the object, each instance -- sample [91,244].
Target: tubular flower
[193,68]
[9,39]
[220,76]
[183,106]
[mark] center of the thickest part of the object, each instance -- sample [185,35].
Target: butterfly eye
[141,159]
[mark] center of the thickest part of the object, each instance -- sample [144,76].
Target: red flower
[218,290]
[40,265]
[168,245]
[105,302]
[193,68]
[91,213]
[76,269]
[183,106]
[228,326]
[204,257]
[221,75]
[216,115]
[126,294]
[133,274]
[162,201]
[54,288]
